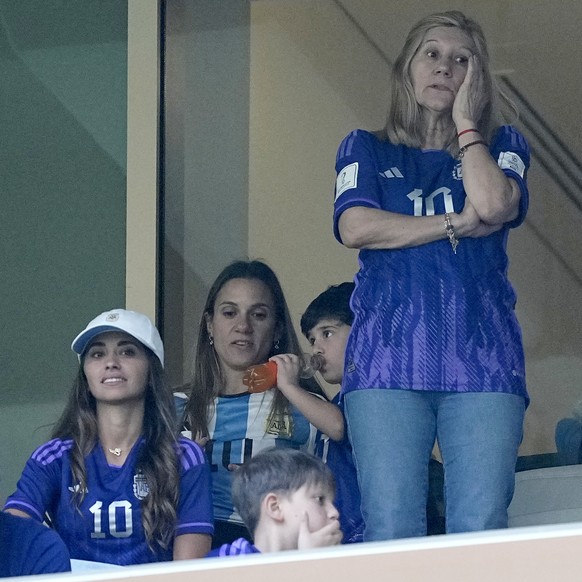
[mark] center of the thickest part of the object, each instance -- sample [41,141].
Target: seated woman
[116,481]
[246,322]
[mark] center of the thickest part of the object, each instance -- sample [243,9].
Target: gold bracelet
[451,233]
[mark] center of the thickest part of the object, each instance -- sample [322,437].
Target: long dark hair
[208,380]
[158,459]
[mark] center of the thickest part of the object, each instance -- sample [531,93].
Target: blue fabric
[426,318]
[569,441]
[236,548]
[393,433]
[239,427]
[108,525]
[338,457]
[28,547]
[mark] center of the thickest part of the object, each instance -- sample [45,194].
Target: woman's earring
[276,344]
[211,340]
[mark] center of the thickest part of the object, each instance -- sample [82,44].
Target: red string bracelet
[466,131]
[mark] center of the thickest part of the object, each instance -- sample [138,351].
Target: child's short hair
[275,470]
[333,303]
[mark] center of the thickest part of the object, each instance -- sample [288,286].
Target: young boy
[326,324]
[285,498]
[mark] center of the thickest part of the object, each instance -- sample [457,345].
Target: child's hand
[328,535]
[288,367]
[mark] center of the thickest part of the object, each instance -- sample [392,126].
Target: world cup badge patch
[140,486]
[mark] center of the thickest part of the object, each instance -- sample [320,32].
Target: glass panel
[63,119]
[316,70]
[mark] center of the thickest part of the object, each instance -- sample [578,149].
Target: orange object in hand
[261,377]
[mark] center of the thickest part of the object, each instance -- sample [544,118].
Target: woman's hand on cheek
[468,105]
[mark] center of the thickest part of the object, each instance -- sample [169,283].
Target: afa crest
[140,486]
[458,172]
[280,425]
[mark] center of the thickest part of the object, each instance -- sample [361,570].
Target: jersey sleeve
[195,514]
[39,484]
[357,181]
[511,152]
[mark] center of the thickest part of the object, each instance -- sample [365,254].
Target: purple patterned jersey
[426,318]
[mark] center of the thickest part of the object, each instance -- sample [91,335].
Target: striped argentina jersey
[425,317]
[107,527]
[239,428]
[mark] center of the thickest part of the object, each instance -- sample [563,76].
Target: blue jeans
[393,433]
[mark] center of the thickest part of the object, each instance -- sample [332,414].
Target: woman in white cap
[116,481]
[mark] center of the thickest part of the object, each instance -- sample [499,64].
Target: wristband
[451,233]
[467,131]
[466,147]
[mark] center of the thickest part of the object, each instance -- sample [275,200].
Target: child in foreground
[285,498]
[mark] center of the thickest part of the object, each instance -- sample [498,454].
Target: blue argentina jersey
[427,319]
[238,430]
[107,527]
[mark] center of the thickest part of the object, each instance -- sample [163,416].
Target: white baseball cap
[133,323]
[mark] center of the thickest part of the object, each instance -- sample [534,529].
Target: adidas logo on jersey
[392,173]
[77,489]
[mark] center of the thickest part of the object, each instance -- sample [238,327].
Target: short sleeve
[39,484]
[357,181]
[511,152]
[195,514]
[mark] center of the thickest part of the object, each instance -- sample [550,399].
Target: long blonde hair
[405,122]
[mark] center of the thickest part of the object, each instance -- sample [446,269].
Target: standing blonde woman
[435,349]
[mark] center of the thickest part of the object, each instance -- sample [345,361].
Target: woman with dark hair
[435,349]
[116,481]
[246,322]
